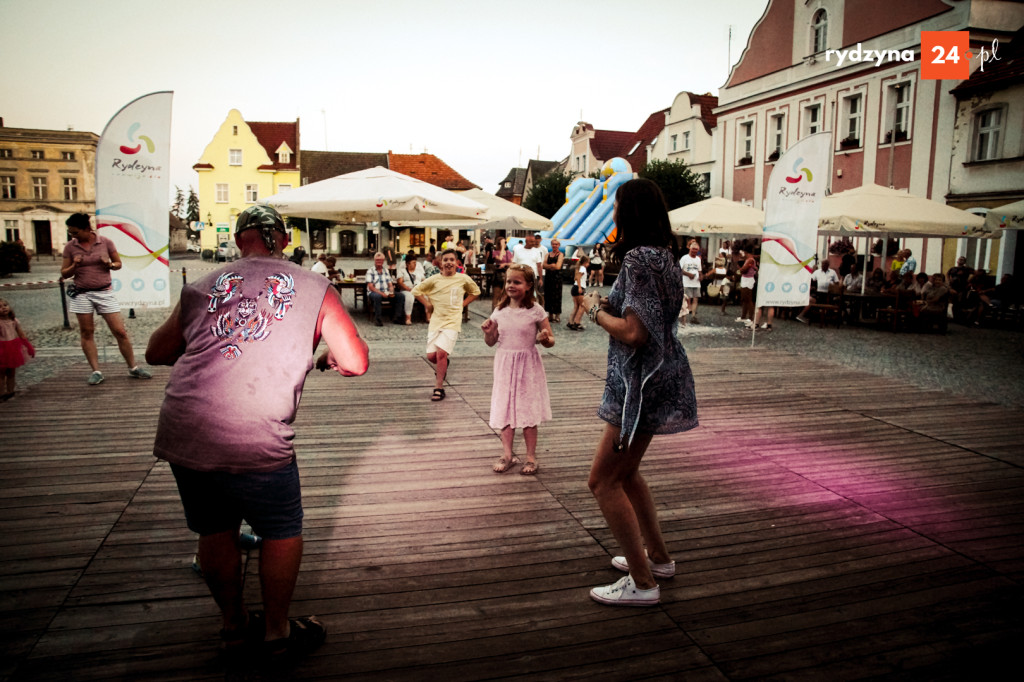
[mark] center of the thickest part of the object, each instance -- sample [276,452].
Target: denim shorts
[216,501]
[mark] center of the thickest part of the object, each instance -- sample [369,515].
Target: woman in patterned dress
[649,388]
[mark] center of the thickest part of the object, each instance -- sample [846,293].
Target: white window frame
[252,193]
[686,140]
[899,110]
[675,142]
[986,135]
[222,193]
[284,156]
[819,31]
[70,189]
[812,119]
[67,156]
[6,153]
[283,188]
[745,141]
[39,187]
[8,187]
[12,231]
[778,134]
[37,154]
[853,118]
[234,157]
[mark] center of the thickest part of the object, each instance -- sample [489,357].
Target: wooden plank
[811,539]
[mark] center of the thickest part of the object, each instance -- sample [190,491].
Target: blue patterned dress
[649,389]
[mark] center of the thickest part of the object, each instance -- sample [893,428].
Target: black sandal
[240,642]
[438,395]
[306,635]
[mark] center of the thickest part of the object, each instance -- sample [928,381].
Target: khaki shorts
[443,339]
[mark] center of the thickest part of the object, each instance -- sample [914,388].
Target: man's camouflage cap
[259,217]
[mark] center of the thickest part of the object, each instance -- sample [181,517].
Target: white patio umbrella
[875,209]
[1008,217]
[501,215]
[372,195]
[717,216]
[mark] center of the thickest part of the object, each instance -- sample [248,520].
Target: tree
[178,207]
[679,184]
[192,212]
[548,193]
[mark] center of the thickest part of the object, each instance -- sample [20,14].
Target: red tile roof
[428,168]
[707,105]
[610,143]
[607,144]
[647,134]
[270,135]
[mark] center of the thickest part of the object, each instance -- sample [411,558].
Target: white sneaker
[740,320]
[658,570]
[799,318]
[626,593]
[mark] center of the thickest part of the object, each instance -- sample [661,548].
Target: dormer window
[819,31]
[284,153]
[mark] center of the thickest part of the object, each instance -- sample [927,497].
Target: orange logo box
[945,55]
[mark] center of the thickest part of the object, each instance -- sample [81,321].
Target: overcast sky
[483,85]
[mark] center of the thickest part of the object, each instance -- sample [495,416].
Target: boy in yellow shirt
[444,296]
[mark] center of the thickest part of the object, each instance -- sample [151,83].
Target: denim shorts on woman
[216,501]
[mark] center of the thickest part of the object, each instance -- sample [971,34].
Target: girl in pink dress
[14,348]
[519,398]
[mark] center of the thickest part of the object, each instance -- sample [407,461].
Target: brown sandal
[503,465]
[529,469]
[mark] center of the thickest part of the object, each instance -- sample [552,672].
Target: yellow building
[245,162]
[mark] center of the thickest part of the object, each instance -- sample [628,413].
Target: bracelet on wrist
[594,310]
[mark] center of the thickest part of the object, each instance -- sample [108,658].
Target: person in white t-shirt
[320,265]
[822,278]
[691,266]
[529,253]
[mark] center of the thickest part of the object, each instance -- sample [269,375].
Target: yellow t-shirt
[446,295]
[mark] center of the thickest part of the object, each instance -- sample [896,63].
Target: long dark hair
[641,218]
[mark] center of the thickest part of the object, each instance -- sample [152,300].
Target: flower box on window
[849,143]
[774,156]
[901,135]
[745,161]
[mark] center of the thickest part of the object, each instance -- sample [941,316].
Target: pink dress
[520,395]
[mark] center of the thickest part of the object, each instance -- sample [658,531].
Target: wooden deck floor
[872,531]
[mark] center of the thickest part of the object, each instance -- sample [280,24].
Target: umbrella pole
[867,261]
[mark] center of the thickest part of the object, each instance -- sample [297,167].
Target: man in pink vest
[242,340]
